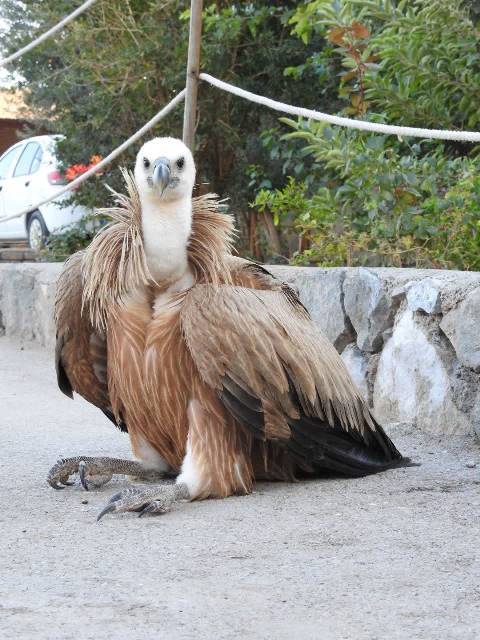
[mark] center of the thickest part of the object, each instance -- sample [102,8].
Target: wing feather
[80,352]
[280,378]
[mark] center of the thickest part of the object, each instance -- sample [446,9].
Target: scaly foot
[95,472]
[158,499]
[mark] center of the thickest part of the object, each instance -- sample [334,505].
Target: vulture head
[165,170]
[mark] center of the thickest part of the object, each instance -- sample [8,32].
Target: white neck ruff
[166,229]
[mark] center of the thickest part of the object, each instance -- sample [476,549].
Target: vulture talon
[93,475]
[153,507]
[115,497]
[94,472]
[158,499]
[59,474]
[105,510]
[112,504]
[81,472]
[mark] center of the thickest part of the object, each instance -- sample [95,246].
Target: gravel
[393,556]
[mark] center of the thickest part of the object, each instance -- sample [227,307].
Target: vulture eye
[180,163]
[146,163]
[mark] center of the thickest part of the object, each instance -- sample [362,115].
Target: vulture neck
[166,228]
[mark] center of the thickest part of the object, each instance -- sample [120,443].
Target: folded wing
[281,378]
[81,351]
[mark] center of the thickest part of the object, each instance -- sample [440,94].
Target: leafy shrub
[371,199]
[416,61]
[70,239]
[376,205]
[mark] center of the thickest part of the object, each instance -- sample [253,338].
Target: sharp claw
[145,510]
[110,506]
[56,484]
[135,500]
[152,507]
[105,510]
[81,471]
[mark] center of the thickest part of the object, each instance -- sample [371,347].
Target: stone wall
[27,294]
[410,338]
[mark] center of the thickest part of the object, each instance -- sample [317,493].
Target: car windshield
[6,162]
[24,164]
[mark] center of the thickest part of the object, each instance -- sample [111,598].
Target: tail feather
[314,444]
[344,452]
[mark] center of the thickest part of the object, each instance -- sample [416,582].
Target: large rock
[369,307]
[462,326]
[424,295]
[321,292]
[413,384]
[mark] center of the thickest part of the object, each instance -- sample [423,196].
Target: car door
[7,162]
[20,194]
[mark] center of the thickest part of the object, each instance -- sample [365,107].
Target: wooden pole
[193,69]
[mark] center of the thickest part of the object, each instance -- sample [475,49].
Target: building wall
[9,129]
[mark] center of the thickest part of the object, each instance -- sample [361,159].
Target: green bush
[377,200]
[416,61]
[70,239]
[377,206]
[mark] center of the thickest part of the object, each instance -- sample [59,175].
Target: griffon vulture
[212,365]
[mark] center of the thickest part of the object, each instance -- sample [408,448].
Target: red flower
[75,170]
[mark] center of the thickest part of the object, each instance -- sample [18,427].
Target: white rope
[436,134]
[48,33]
[439,134]
[107,160]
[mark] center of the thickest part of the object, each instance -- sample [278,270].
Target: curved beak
[161,174]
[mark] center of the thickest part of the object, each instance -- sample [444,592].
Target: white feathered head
[165,170]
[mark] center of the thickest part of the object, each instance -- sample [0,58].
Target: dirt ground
[392,556]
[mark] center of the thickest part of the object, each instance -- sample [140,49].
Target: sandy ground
[389,556]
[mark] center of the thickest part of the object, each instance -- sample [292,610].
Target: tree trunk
[253,236]
[272,233]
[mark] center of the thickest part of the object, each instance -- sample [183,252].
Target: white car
[29,174]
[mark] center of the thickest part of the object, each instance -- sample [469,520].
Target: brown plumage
[228,377]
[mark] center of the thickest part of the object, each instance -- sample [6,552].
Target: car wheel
[37,231]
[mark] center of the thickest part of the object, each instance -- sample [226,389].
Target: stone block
[412,382]
[462,327]
[321,292]
[369,307]
[27,294]
[424,295]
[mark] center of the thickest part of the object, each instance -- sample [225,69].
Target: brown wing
[282,379]
[80,352]
[245,273]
